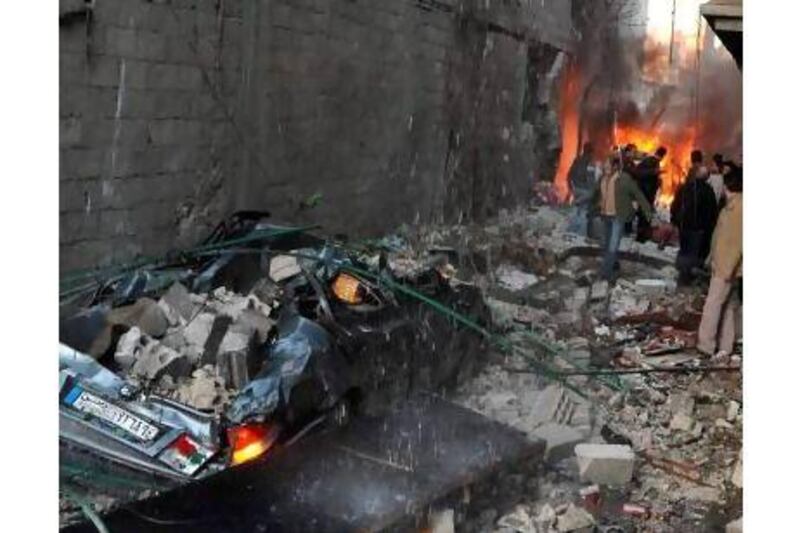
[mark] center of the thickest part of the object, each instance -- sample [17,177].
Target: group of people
[706,211]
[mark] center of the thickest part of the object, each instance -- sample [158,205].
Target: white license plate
[94,405]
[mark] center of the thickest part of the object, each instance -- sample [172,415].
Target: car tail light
[348,289]
[249,441]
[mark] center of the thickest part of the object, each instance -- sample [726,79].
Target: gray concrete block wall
[175,113]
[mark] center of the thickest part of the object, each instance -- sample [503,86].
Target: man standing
[715,177]
[614,196]
[581,179]
[648,176]
[694,212]
[718,325]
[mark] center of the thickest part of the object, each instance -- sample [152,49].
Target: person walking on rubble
[717,332]
[616,197]
[694,212]
[648,176]
[581,180]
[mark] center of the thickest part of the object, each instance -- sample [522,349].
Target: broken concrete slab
[703,494]
[560,439]
[442,521]
[605,464]
[680,402]
[519,520]
[514,279]
[736,478]
[128,348]
[201,391]
[144,314]
[575,519]
[735,526]
[283,267]
[654,287]
[179,300]
[681,422]
[236,355]
[258,322]
[198,330]
[733,411]
[155,360]
[546,518]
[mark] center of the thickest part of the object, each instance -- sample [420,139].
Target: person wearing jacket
[694,213]
[648,176]
[614,198]
[581,180]
[717,332]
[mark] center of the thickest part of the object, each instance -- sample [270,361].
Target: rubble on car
[575,361]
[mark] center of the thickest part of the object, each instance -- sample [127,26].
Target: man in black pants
[648,177]
[694,211]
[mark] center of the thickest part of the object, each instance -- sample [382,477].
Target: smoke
[631,91]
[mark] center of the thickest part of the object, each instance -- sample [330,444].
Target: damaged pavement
[295,334]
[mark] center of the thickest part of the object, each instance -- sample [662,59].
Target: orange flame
[568,120]
[676,163]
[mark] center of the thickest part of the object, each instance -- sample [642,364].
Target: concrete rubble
[662,450]
[605,464]
[671,441]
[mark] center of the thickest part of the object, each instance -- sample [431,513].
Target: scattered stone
[514,279]
[560,439]
[518,520]
[574,519]
[653,287]
[735,526]
[736,478]
[681,422]
[605,464]
[733,411]
[681,402]
[283,267]
[197,331]
[155,360]
[599,290]
[703,494]
[723,424]
[201,390]
[258,322]
[179,300]
[128,348]
[442,521]
[144,314]
[546,518]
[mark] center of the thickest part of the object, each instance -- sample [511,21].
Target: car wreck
[179,369]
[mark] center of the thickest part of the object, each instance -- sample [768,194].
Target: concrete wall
[175,113]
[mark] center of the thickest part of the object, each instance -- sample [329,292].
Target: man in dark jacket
[694,211]
[648,177]
[581,179]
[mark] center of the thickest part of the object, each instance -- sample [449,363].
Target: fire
[675,164]
[568,120]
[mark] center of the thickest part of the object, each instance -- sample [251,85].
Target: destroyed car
[178,369]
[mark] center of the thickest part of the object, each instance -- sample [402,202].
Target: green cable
[500,342]
[155,262]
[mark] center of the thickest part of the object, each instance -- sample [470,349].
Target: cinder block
[734,527]
[561,441]
[605,464]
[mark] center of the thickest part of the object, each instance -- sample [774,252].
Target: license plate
[87,402]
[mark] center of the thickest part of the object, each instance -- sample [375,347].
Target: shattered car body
[326,338]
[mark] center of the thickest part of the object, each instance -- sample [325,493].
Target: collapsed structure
[181,361]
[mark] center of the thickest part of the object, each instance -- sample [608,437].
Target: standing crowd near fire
[616,195]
